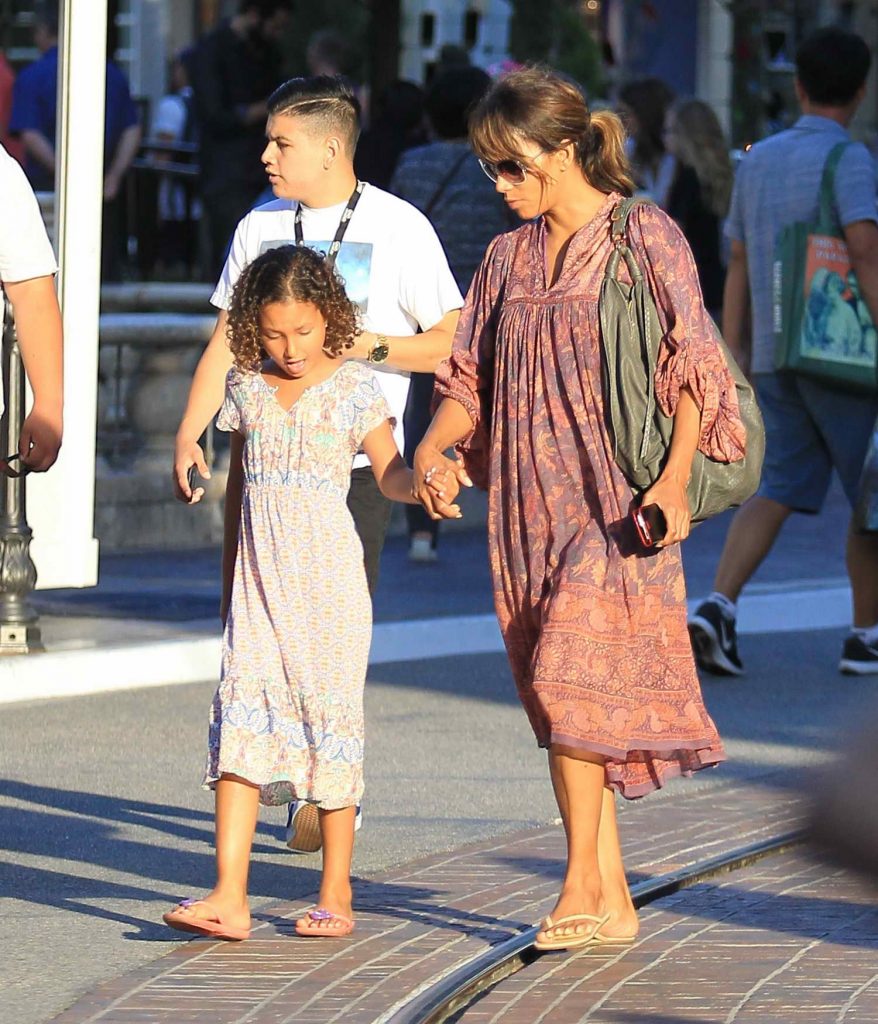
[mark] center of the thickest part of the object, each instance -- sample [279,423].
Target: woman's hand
[669,493]
[437,481]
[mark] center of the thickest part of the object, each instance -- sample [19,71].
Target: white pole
[60,505]
[714,59]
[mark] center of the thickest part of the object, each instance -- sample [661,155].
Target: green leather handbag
[640,432]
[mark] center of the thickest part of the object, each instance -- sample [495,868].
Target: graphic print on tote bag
[354,263]
[836,325]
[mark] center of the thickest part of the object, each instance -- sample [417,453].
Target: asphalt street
[103,823]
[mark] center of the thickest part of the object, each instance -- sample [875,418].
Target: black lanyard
[342,224]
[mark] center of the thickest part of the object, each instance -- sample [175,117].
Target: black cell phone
[650,523]
[190,478]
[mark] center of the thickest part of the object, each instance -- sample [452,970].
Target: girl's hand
[445,476]
[443,483]
[669,493]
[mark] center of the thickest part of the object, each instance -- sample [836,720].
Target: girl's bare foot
[217,905]
[338,916]
[223,913]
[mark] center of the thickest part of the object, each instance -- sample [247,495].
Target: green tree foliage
[554,32]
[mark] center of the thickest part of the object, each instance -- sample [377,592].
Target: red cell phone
[650,523]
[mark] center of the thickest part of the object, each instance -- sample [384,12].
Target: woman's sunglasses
[510,170]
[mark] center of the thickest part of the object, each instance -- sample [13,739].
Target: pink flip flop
[322,914]
[184,921]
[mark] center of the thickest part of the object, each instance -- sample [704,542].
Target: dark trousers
[371,514]
[114,250]
[417,419]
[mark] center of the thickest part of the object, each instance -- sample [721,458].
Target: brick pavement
[419,922]
[787,940]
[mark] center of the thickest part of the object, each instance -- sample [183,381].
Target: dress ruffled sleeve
[467,376]
[689,354]
[229,417]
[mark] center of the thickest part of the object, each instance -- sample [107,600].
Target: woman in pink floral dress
[595,629]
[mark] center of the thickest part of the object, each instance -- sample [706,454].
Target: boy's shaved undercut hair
[328,103]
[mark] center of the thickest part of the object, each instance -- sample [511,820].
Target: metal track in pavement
[437,1002]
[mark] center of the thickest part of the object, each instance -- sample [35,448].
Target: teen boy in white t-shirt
[393,265]
[390,258]
[27,272]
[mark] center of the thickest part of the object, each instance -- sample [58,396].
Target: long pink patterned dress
[288,713]
[595,629]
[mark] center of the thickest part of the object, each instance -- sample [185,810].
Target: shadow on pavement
[67,830]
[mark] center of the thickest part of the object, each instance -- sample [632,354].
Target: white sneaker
[303,827]
[421,550]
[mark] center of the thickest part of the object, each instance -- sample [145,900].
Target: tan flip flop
[572,941]
[598,939]
[183,920]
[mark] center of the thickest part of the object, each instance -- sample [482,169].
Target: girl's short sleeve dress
[288,713]
[595,629]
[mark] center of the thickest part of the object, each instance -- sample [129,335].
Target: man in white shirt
[27,272]
[390,257]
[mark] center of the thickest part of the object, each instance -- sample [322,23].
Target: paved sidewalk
[789,939]
[419,922]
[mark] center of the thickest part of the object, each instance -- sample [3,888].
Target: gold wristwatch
[379,352]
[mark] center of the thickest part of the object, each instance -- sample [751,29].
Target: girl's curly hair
[288,273]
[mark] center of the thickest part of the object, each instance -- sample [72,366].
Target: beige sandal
[572,941]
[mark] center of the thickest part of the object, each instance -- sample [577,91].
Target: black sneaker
[715,640]
[857,657]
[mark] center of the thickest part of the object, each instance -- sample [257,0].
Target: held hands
[188,455]
[669,493]
[437,482]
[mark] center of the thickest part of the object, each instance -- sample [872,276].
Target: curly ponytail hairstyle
[289,273]
[539,105]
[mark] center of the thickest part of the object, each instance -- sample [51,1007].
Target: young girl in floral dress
[287,719]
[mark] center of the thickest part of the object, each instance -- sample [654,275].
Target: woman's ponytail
[545,107]
[603,159]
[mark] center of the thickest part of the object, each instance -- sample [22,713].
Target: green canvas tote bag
[639,430]
[822,327]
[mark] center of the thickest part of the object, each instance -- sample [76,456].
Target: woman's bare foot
[338,903]
[573,900]
[623,923]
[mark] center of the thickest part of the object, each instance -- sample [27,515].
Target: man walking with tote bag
[811,428]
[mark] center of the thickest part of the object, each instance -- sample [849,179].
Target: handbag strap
[826,218]
[622,250]
[446,181]
[619,238]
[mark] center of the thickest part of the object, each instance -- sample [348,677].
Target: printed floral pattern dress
[288,713]
[595,629]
